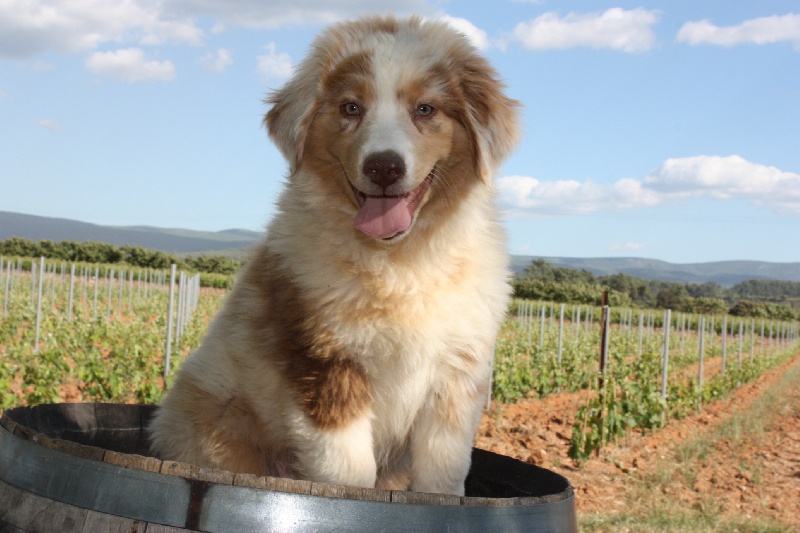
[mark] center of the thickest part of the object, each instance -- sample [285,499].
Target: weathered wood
[72,448]
[26,433]
[7,423]
[279,484]
[489,502]
[30,512]
[139,462]
[424,498]
[353,493]
[159,528]
[198,473]
[107,523]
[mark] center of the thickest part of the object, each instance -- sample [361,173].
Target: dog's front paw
[340,456]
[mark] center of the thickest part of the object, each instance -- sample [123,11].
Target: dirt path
[716,463]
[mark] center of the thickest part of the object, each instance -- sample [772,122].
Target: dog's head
[390,115]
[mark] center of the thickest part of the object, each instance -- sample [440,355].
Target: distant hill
[178,241]
[233,242]
[726,273]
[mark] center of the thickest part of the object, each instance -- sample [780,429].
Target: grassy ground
[652,502]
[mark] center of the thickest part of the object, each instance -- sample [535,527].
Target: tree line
[100,252]
[753,298]
[756,298]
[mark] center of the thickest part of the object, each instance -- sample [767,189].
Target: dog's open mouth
[385,217]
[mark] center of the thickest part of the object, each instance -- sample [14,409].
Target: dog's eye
[351,109]
[425,110]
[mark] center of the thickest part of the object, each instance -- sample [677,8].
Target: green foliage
[779,300]
[567,292]
[631,396]
[98,252]
[766,289]
[119,358]
[94,357]
[522,369]
[216,281]
[747,308]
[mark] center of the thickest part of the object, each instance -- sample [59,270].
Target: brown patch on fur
[487,114]
[352,75]
[396,480]
[330,386]
[437,84]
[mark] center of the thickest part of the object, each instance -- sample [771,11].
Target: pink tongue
[382,217]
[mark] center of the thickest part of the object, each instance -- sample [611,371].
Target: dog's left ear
[491,118]
[293,109]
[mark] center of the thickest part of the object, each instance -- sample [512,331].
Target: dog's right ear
[293,109]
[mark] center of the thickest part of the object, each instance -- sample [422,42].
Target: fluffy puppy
[355,347]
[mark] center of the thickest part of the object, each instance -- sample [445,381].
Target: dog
[355,347]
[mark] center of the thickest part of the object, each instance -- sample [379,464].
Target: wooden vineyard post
[724,343]
[96,288]
[543,311]
[560,333]
[641,335]
[9,272]
[71,292]
[603,363]
[667,320]
[169,322]
[39,306]
[741,335]
[701,328]
[603,342]
[528,317]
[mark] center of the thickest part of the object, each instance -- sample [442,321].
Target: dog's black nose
[384,168]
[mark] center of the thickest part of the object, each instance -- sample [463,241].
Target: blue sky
[667,130]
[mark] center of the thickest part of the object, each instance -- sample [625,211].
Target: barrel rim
[192,482]
[18,419]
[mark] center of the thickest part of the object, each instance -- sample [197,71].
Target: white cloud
[50,125]
[129,65]
[626,247]
[570,196]
[616,28]
[725,178]
[274,64]
[477,36]
[217,62]
[714,177]
[764,30]
[30,27]
[260,14]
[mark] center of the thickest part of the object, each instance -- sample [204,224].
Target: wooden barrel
[85,467]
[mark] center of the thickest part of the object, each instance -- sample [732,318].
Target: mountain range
[172,240]
[234,242]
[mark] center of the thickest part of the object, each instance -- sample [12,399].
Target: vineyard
[659,367]
[93,334]
[90,333]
